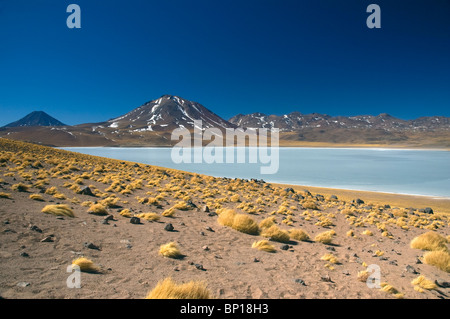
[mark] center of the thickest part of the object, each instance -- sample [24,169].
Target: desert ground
[57,207]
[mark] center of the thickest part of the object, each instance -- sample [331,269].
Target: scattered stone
[358,201]
[91,246]
[411,269]
[24,254]
[23,284]
[284,247]
[182,224]
[442,283]
[86,190]
[218,256]
[206,248]
[326,278]
[35,228]
[176,268]
[428,210]
[128,246]
[300,281]
[60,218]
[256,260]
[387,206]
[289,190]
[199,267]
[109,217]
[47,239]
[135,220]
[212,214]
[191,204]
[202,233]
[105,222]
[206,209]
[6,222]
[393,262]
[209,229]
[169,227]
[346,272]
[418,261]
[334,197]
[331,248]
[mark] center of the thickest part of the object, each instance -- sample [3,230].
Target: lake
[416,172]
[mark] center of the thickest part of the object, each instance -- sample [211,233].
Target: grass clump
[439,259]
[268,222]
[245,224]
[420,283]
[151,217]
[391,290]
[325,237]
[263,245]
[168,289]
[430,241]
[97,209]
[299,234]
[170,250]
[276,234]
[330,258]
[126,213]
[85,265]
[58,210]
[226,217]
[20,187]
[5,195]
[37,197]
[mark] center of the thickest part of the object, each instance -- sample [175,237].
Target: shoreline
[438,204]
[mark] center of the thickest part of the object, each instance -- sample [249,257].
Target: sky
[233,56]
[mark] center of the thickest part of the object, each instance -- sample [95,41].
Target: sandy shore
[36,248]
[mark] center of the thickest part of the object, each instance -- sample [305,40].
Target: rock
[47,239]
[128,246]
[105,222]
[191,204]
[91,246]
[205,248]
[333,197]
[411,269]
[209,229]
[35,228]
[109,217]
[326,278]
[289,190]
[256,260]
[358,201]
[428,210]
[202,233]
[206,209]
[300,281]
[24,254]
[23,284]
[330,248]
[176,268]
[199,266]
[135,220]
[212,214]
[284,247]
[169,227]
[442,283]
[86,190]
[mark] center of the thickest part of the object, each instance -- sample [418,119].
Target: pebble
[135,220]
[35,228]
[202,233]
[169,227]
[199,267]
[256,260]
[23,284]
[91,246]
[300,281]
[411,269]
[284,247]
[47,239]
[24,254]
[205,248]
[209,229]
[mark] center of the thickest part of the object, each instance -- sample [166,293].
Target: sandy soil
[128,253]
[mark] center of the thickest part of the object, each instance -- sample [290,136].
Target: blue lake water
[418,172]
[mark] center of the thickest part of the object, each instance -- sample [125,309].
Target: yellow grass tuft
[58,210]
[430,241]
[97,209]
[439,259]
[325,237]
[266,223]
[226,217]
[37,197]
[5,195]
[168,289]
[149,216]
[276,234]
[169,212]
[263,245]
[423,283]
[391,290]
[20,187]
[367,233]
[363,275]
[85,265]
[245,224]
[331,258]
[299,234]
[126,213]
[170,250]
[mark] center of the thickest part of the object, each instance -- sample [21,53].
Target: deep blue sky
[233,56]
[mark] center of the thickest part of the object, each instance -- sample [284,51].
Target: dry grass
[439,259]
[126,213]
[245,224]
[363,275]
[420,283]
[168,289]
[58,210]
[299,234]
[266,223]
[226,217]
[86,265]
[5,195]
[330,258]
[391,290]
[20,187]
[98,209]
[170,250]
[430,241]
[276,234]
[325,237]
[263,245]
[37,197]
[151,217]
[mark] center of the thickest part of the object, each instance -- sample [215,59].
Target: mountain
[167,113]
[297,121]
[36,118]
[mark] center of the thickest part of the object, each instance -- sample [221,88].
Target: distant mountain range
[36,118]
[152,123]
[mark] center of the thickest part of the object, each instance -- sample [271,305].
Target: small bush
[51,191]
[263,245]
[245,224]
[37,197]
[97,209]
[20,187]
[149,216]
[5,195]
[276,234]
[170,250]
[325,237]
[58,210]
[331,258]
[126,213]
[85,265]
[226,217]
[299,234]
[391,290]
[439,259]
[268,222]
[430,241]
[421,283]
[168,289]
[169,212]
